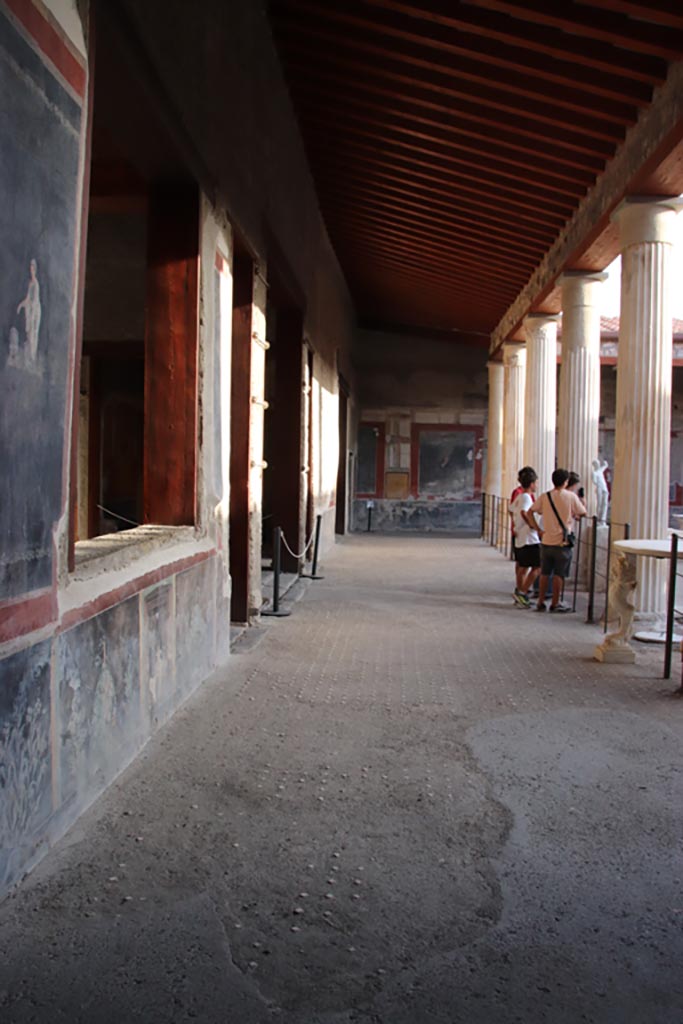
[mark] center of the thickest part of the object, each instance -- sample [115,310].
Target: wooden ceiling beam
[400,242]
[478,58]
[554,106]
[395,129]
[614,27]
[453,189]
[499,185]
[477,224]
[305,79]
[527,35]
[460,111]
[666,13]
[387,211]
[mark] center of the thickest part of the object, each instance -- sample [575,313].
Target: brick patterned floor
[408,802]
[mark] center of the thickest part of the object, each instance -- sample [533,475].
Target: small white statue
[601,492]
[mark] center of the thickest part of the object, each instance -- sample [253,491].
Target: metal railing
[671,611]
[599,555]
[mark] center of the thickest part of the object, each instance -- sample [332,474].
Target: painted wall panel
[195,624]
[97,678]
[39,142]
[25,765]
[159,684]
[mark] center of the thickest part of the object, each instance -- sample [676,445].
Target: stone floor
[409,802]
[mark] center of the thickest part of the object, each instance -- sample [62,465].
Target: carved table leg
[622,584]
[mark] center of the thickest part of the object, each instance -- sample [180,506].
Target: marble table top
[647,548]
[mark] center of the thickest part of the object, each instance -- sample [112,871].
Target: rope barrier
[292,553]
[117,516]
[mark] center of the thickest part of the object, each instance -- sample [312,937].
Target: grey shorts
[556,560]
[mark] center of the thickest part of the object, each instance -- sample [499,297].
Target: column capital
[537,318]
[589,276]
[494,364]
[646,219]
[514,353]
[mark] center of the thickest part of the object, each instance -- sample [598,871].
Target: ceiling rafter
[499,49]
[453,143]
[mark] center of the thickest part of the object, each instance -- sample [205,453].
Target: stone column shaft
[494,450]
[579,407]
[514,364]
[640,493]
[540,400]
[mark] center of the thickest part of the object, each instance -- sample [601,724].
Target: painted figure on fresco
[32,313]
[601,492]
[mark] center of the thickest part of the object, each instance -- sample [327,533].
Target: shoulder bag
[568,536]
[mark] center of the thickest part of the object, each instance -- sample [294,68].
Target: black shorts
[556,560]
[528,556]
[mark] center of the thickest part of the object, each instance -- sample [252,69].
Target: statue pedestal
[623,654]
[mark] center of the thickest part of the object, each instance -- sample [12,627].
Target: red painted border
[27,614]
[418,428]
[113,597]
[380,458]
[51,42]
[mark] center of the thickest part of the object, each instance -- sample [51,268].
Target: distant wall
[420,440]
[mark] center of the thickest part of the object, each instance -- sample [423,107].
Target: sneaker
[540,608]
[562,608]
[518,598]
[523,600]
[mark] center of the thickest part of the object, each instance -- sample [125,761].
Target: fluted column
[640,493]
[540,398]
[494,449]
[514,375]
[579,407]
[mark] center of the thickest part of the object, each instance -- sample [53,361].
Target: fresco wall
[40,123]
[93,659]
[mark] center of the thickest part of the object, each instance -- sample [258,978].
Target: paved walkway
[409,803]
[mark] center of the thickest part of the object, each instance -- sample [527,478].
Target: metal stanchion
[577,563]
[313,575]
[276,610]
[591,577]
[607,565]
[670,606]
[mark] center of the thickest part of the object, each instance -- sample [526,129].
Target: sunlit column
[494,451]
[640,491]
[514,374]
[540,397]
[579,407]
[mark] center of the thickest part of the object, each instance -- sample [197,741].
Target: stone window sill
[114,551]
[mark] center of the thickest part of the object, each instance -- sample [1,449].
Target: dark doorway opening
[283,493]
[135,442]
[240,422]
[342,472]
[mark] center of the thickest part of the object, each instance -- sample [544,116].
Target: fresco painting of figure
[26,354]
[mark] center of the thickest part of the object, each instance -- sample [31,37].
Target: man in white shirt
[559,508]
[526,537]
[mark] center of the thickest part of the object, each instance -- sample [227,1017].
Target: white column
[540,399]
[640,492]
[494,449]
[579,408]
[514,370]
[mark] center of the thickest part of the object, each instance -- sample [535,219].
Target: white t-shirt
[523,533]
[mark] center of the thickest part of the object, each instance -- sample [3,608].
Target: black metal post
[369,529]
[670,605]
[313,575]
[591,577]
[483,512]
[577,564]
[277,567]
[607,565]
